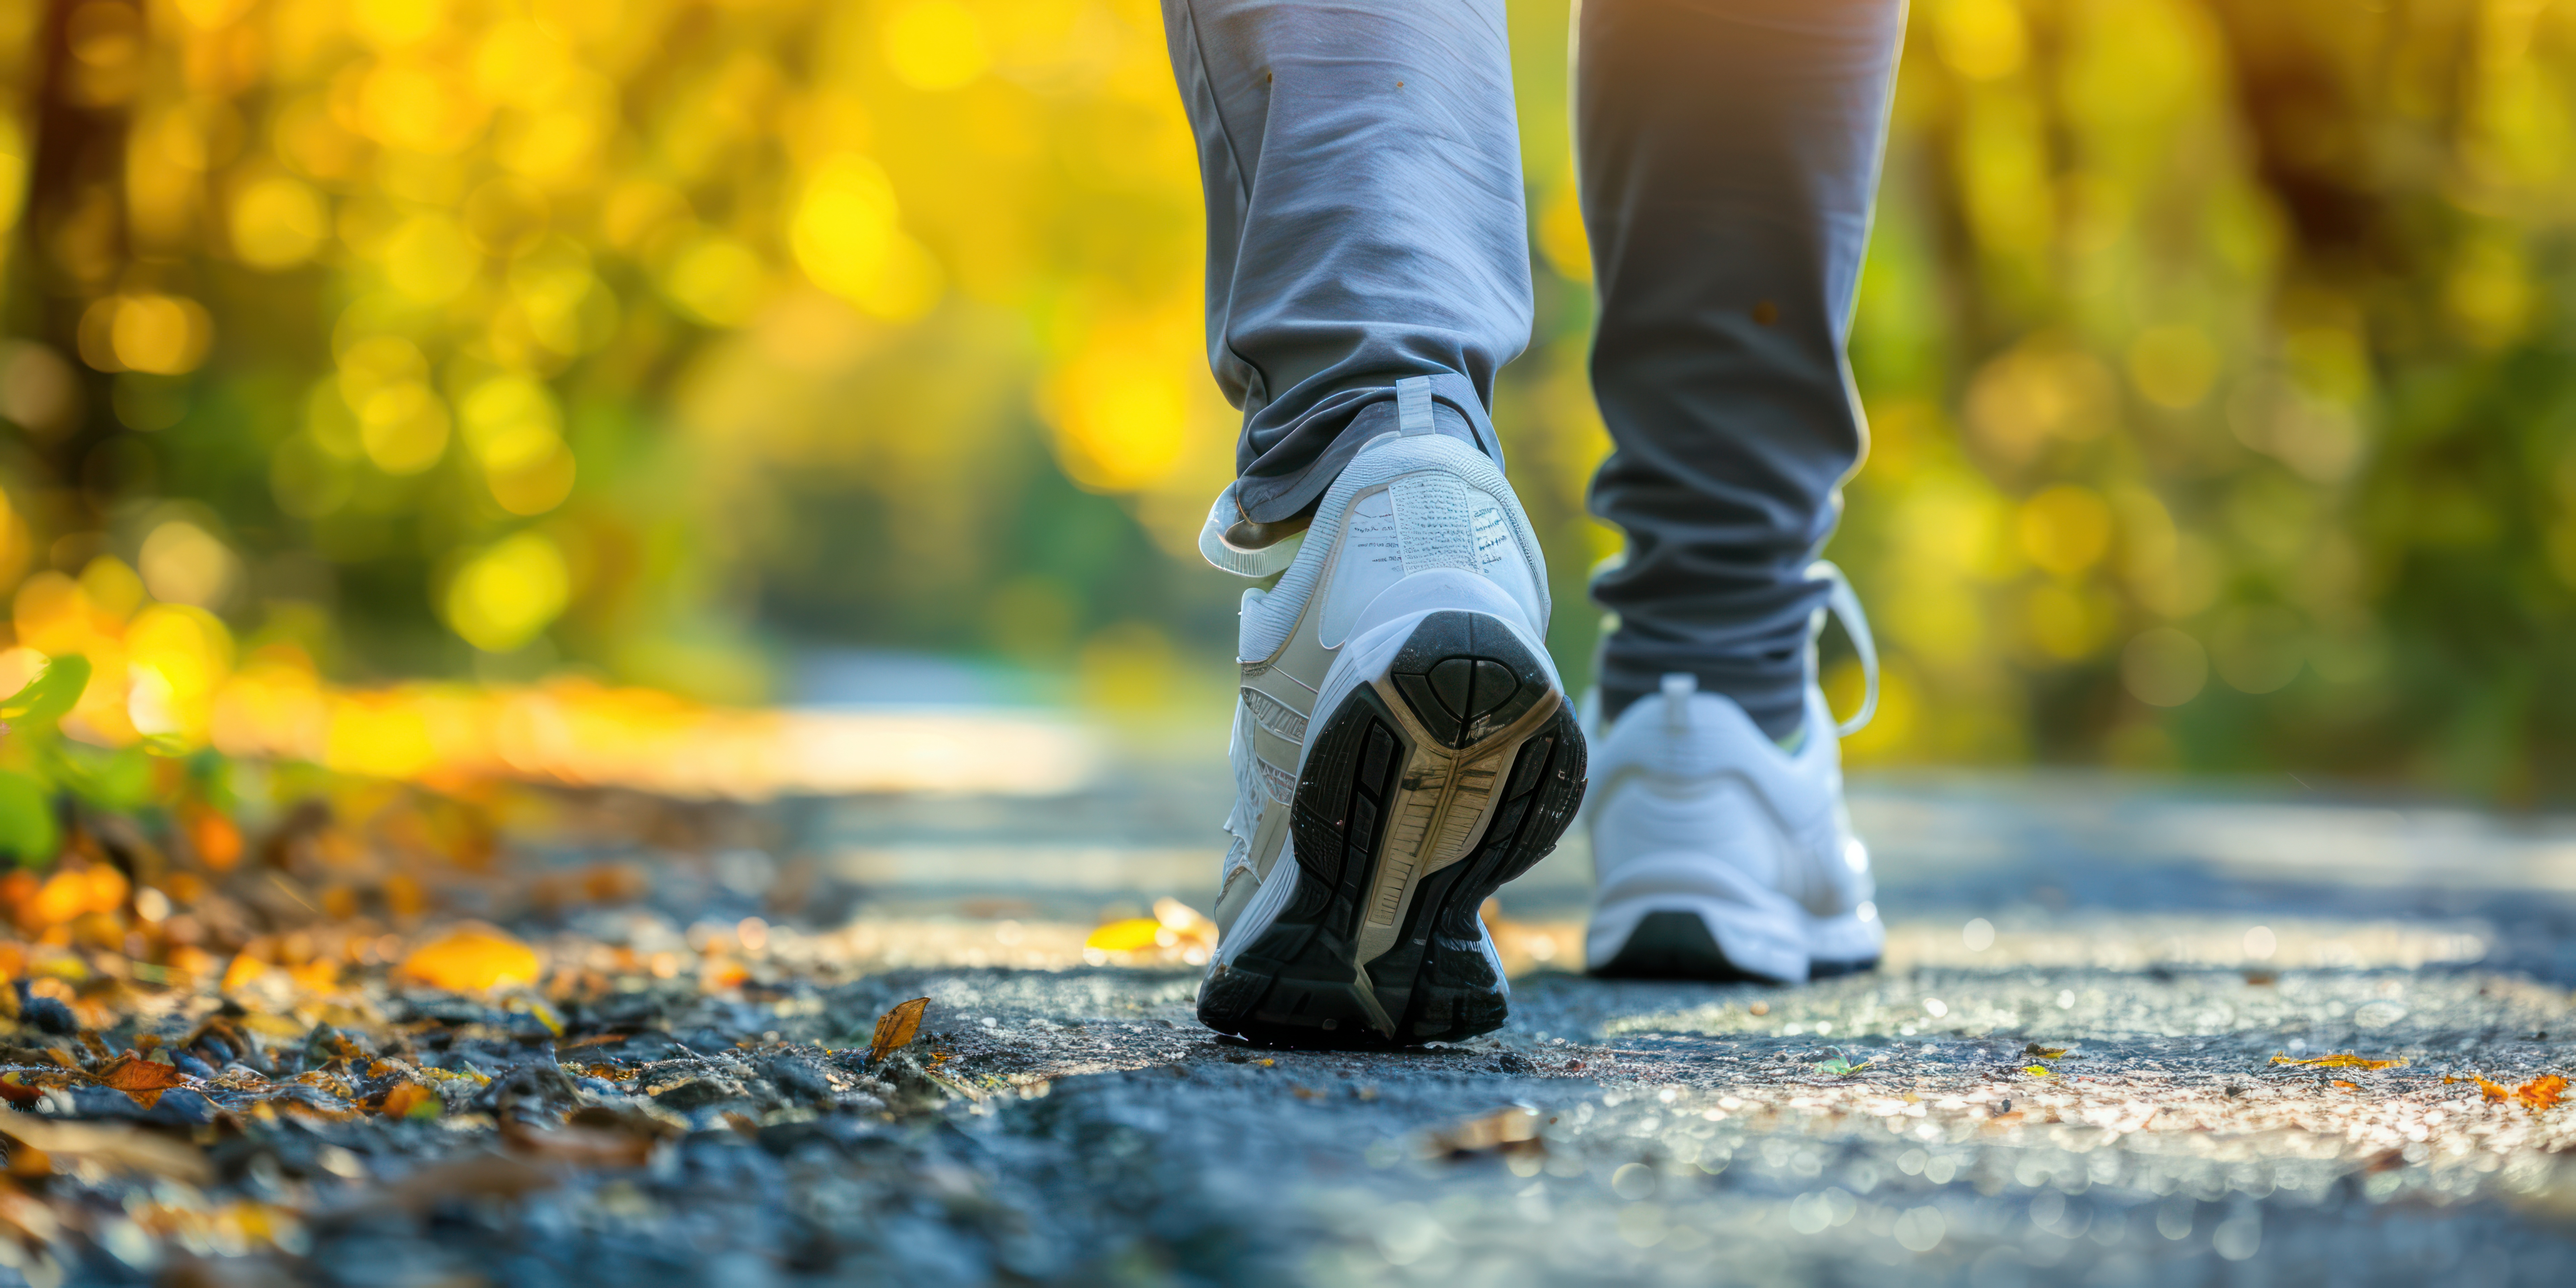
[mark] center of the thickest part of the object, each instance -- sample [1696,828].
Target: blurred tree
[2213,352]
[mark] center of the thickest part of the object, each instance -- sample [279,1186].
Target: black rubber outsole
[1675,945]
[1463,677]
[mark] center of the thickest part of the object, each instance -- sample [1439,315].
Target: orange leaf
[2344,1061]
[2541,1092]
[472,959]
[2495,1090]
[410,1100]
[130,1075]
[218,842]
[242,973]
[896,1028]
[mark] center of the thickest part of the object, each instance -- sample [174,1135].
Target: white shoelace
[1844,603]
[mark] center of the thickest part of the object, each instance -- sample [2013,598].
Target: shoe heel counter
[1443,506]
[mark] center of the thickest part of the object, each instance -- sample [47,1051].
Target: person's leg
[1402,741]
[1729,150]
[1729,154]
[1362,169]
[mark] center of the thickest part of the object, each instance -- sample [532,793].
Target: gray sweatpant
[1365,223]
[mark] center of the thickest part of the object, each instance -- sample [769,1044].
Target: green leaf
[51,695]
[27,827]
[116,780]
[1839,1067]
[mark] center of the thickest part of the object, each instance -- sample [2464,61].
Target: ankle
[1781,718]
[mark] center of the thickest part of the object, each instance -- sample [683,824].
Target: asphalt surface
[2078,1066]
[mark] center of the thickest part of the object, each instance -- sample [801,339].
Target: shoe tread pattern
[1459,672]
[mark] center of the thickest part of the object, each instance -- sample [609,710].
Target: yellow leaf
[2038,1071]
[472,959]
[2344,1061]
[1133,934]
[2044,1053]
[896,1028]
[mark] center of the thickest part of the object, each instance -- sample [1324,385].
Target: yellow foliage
[508,593]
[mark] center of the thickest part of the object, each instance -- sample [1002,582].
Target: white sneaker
[1403,747]
[1717,854]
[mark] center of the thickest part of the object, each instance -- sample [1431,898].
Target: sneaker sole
[1674,945]
[1435,751]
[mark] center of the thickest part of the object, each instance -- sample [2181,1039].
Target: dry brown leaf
[895,1028]
[130,1075]
[578,1145]
[472,959]
[1510,1131]
[124,1149]
[2346,1060]
[473,1176]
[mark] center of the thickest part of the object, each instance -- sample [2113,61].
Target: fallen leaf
[1512,1130]
[2038,1071]
[411,1100]
[129,1074]
[28,1163]
[117,1148]
[2044,1053]
[1839,1067]
[2495,1090]
[579,1146]
[1133,934]
[2541,1092]
[142,1080]
[474,1176]
[472,959]
[2345,1061]
[2348,1086]
[895,1028]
